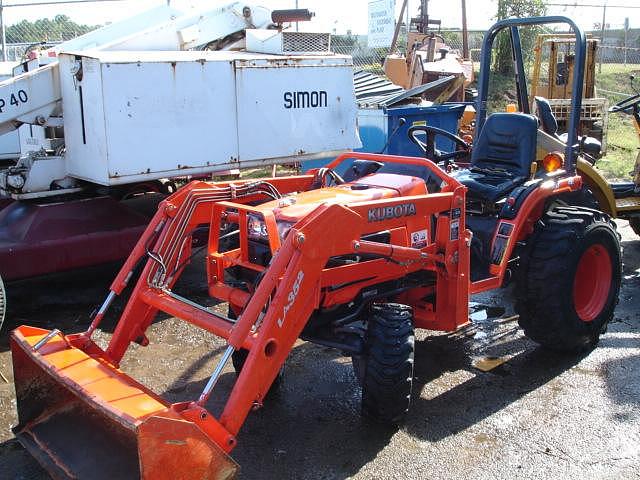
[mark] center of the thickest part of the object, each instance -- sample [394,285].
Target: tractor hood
[372,187]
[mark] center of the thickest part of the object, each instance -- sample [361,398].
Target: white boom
[32,98]
[133,116]
[167,28]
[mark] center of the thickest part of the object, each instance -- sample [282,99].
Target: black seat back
[508,142]
[547,118]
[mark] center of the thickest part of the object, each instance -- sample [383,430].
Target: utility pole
[297,23]
[465,33]
[604,19]
[3,33]
[626,34]
[396,32]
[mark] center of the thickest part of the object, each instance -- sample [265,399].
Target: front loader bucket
[80,417]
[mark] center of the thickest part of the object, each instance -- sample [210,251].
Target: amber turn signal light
[553,161]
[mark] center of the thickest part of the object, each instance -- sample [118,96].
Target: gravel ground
[538,415]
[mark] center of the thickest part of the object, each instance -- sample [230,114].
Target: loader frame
[297,283]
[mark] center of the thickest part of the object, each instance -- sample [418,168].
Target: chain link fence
[371,59]
[615,67]
[41,26]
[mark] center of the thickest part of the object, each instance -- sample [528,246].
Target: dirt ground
[538,415]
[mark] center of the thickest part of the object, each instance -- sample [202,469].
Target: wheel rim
[592,282]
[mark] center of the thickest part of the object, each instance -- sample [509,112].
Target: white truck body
[137,116]
[27,138]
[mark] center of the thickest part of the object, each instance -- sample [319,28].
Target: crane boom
[33,97]
[122,91]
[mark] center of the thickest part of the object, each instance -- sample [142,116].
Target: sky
[338,15]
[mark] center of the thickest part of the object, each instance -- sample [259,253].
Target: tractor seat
[589,145]
[502,156]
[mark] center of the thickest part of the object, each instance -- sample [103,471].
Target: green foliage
[452,37]
[345,41]
[516,8]
[622,138]
[61,28]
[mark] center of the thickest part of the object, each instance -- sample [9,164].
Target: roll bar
[513,24]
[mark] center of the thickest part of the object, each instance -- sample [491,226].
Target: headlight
[256,228]
[283,228]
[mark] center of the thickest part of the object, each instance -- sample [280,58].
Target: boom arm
[30,98]
[166,28]
[33,98]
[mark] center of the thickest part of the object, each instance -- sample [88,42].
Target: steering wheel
[626,104]
[320,179]
[429,147]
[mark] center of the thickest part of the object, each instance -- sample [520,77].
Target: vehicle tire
[240,356]
[581,198]
[3,303]
[386,367]
[634,223]
[563,304]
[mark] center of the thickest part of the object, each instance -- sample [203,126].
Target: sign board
[381,23]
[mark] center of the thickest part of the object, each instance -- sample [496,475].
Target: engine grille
[305,42]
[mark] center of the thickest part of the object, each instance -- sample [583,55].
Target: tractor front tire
[239,357]
[569,279]
[386,367]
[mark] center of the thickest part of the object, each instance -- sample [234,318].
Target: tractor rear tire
[386,367]
[634,223]
[3,303]
[569,279]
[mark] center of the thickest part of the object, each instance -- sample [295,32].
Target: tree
[59,29]
[516,8]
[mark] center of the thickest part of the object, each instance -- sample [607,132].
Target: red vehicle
[355,261]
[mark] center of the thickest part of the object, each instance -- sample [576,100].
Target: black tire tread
[240,356]
[388,375]
[545,284]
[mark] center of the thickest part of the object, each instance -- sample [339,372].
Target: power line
[64,2]
[588,5]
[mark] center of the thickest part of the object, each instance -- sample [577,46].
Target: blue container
[444,116]
[380,131]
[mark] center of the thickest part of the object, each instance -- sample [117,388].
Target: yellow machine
[620,200]
[557,87]
[428,58]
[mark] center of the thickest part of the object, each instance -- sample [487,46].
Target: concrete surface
[538,415]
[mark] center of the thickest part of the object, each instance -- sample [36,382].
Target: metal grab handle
[43,341]
[204,396]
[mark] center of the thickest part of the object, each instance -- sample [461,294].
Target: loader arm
[169,28]
[69,380]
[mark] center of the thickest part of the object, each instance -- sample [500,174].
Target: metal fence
[371,59]
[615,66]
[24,26]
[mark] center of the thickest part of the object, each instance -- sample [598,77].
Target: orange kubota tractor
[354,261]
